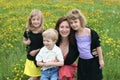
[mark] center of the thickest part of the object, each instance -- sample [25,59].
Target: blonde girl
[33,41]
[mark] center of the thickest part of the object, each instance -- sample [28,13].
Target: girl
[33,40]
[67,44]
[89,65]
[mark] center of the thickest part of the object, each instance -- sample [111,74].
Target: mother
[66,42]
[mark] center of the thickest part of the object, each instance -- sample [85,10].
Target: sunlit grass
[102,16]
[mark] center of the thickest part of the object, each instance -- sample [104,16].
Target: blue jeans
[50,74]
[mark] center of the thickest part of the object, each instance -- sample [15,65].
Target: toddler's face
[49,43]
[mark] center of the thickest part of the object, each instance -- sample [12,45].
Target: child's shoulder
[56,46]
[88,30]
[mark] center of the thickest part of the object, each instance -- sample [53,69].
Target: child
[33,40]
[50,56]
[68,46]
[89,65]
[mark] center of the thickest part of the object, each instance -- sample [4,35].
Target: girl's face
[49,43]
[75,24]
[36,21]
[64,29]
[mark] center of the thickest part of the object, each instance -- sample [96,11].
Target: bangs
[72,16]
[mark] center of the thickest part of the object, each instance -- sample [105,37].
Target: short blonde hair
[51,34]
[33,13]
[76,14]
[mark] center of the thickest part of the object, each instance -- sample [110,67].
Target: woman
[66,41]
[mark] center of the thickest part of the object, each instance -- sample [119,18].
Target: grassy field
[102,15]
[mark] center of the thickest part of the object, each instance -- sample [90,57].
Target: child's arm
[58,63]
[101,61]
[34,52]
[39,63]
[39,58]
[26,41]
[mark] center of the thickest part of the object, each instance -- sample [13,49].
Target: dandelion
[8,78]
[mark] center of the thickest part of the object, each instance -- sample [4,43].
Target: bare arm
[34,52]
[61,63]
[101,61]
[39,63]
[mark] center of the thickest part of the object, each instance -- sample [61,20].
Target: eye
[75,21]
[38,19]
[48,41]
[67,27]
[61,26]
[33,19]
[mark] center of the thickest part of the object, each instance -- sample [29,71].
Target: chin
[64,35]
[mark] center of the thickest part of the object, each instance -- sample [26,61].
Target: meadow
[102,16]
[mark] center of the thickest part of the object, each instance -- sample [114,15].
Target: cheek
[45,43]
[60,30]
[40,22]
[68,31]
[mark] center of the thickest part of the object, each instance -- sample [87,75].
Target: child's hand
[34,52]
[28,42]
[47,64]
[55,60]
[101,62]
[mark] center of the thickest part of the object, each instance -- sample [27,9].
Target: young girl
[67,44]
[89,65]
[33,40]
[50,56]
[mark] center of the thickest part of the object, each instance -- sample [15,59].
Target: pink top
[68,71]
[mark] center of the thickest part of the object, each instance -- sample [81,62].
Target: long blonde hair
[33,13]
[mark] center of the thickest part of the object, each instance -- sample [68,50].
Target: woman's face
[64,29]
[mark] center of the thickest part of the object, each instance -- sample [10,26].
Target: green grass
[102,15]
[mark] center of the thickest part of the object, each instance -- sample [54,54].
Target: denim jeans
[50,74]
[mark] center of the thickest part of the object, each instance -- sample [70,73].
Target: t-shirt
[46,55]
